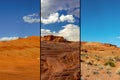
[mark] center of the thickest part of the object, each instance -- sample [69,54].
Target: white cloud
[8,38]
[54,17]
[51,19]
[49,14]
[50,6]
[70,32]
[47,32]
[32,18]
[68,18]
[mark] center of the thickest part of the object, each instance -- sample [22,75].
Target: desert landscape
[20,59]
[59,59]
[100,61]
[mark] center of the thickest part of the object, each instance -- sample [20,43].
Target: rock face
[60,61]
[53,38]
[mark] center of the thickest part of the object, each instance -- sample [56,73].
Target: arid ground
[100,61]
[20,59]
[59,59]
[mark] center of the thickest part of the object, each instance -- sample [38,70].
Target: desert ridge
[21,59]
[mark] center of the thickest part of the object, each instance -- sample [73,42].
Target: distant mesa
[53,38]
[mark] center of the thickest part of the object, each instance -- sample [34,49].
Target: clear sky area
[100,21]
[20,18]
[16,16]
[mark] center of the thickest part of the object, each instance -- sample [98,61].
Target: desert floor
[100,61]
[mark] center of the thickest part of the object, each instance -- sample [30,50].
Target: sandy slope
[20,59]
[94,56]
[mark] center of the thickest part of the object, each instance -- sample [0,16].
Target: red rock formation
[59,61]
[53,38]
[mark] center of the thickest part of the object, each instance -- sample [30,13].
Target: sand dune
[20,59]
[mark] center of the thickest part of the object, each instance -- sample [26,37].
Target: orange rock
[53,38]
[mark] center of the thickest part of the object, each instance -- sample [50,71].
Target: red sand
[20,59]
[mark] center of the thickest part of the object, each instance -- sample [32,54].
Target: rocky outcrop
[60,61]
[109,45]
[53,38]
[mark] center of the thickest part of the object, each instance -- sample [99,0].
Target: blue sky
[61,18]
[100,21]
[11,18]
[21,18]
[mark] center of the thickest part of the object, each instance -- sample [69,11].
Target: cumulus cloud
[68,18]
[8,38]
[32,18]
[47,32]
[69,32]
[50,6]
[53,18]
[49,14]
